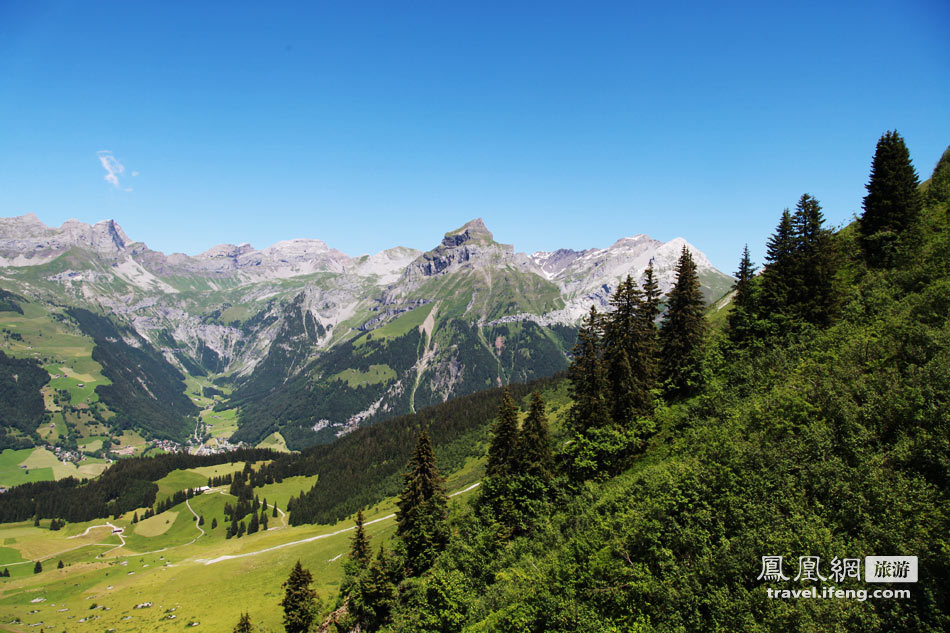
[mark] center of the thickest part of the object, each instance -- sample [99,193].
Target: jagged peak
[473,230]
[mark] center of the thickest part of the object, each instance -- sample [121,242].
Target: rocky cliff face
[26,241]
[315,342]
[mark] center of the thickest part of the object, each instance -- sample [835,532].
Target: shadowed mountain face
[311,342]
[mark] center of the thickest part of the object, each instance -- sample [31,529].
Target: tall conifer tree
[813,264]
[501,451]
[776,278]
[745,303]
[359,546]
[588,378]
[620,349]
[534,442]
[683,331]
[373,595]
[300,600]
[422,517]
[645,368]
[939,189]
[892,206]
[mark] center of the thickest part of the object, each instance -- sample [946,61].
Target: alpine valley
[106,341]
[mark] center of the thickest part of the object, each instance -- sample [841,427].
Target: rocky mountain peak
[472,231]
[25,240]
[465,247]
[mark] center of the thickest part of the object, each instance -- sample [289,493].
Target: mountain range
[298,338]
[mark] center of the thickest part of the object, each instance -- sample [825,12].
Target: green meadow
[167,561]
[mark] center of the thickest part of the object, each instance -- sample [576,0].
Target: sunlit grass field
[166,560]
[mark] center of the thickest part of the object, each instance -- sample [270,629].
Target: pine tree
[214,522]
[813,264]
[645,369]
[275,511]
[300,601]
[6,572]
[244,624]
[777,285]
[422,517]
[501,450]
[939,189]
[264,520]
[60,564]
[373,595]
[359,546]
[135,517]
[38,567]
[620,348]
[588,378]
[241,529]
[892,206]
[745,308]
[683,331]
[535,457]
[254,525]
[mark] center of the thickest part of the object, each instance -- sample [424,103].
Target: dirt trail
[312,538]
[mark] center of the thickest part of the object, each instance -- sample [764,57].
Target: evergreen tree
[300,601]
[135,517]
[264,521]
[254,524]
[6,572]
[241,529]
[501,450]
[745,302]
[683,331]
[214,522]
[776,278]
[939,189]
[275,511]
[535,456]
[620,347]
[813,264]
[244,624]
[422,517]
[373,595]
[359,546]
[60,565]
[201,520]
[645,368]
[892,206]
[588,378]
[38,567]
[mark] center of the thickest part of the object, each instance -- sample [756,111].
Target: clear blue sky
[372,124]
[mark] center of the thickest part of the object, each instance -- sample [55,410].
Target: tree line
[126,485]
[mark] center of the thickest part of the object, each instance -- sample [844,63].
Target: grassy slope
[830,444]
[175,578]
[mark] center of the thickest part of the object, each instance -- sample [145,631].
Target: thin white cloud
[114,169]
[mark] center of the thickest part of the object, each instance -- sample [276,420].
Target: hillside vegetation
[815,424]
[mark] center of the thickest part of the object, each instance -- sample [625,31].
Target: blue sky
[369,124]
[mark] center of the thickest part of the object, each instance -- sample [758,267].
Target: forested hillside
[146,391]
[21,403]
[816,424]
